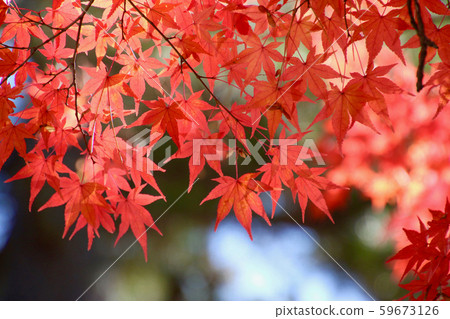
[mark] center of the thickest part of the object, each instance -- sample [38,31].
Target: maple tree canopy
[98,72]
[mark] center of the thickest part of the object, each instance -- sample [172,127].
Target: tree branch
[425,42]
[74,70]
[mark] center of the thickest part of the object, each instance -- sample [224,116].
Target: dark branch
[425,42]
[74,70]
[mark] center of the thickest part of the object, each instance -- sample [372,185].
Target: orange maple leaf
[241,195]
[79,198]
[346,106]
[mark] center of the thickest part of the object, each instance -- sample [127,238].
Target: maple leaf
[164,53]
[9,60]
[319,7]
[240,194]
[203,21]
[102,39]
[78,197]
[13,137]
[105,89]
[312,73]
[3,8]
[233,15]
[189,46]
[309,184]
[159,13]
[374,85]
[441,78]
[287,162]
[57,50]
[275,178]
[218,47]
[194,108]
[21,28]
[142,71]
[41,169]
[163,118]
[379,28]
[201,149]
[417,252]
[7,93]
[427,256]
[133,214]
[179,73]
[103,218]
[273,99]
[333,31]
[346,106]
[55,91]
[62,138]
[257,55]
[439,226]
[115,5]
[233,121]
[40,118]
[63,13]
[418,287]
[299,33]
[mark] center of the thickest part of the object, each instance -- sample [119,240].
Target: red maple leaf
[376,86]
[346,106]
[255,56]
[441,78]
[41,169]
[8,93]
[21,28]
[3,9]
[106,90]
[133,214]
[142,71]
[273,99]
[103,218]
[428,257]
[312,72]
[333,31]
[233,15]
[163,54]
[378,29]
[78,197]
[12,59]
[299,33]
[158,13]
[163,117]
[242,195]
[13,137]
[202,149]
[288,168]
[309,185]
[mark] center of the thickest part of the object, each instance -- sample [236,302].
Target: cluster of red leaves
[100,56]
[428,257]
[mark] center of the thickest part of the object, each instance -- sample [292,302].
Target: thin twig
[345,18]
[74,79]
